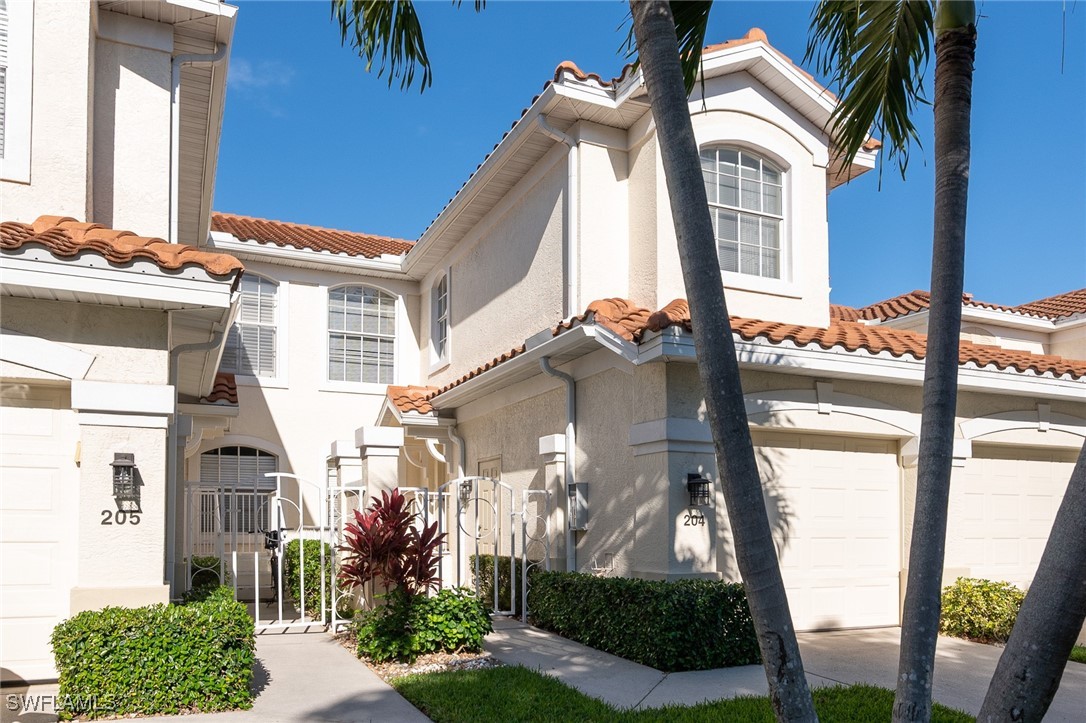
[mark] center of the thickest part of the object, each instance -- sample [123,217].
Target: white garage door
[1002,504]
[835,504]
[37,528]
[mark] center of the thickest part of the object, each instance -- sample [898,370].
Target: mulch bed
[430,663]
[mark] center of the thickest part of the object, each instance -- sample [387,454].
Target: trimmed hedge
[980,610]
[670,626]
[159,659]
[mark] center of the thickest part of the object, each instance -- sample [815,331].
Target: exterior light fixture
[465,492]
[699,489]
[126,482]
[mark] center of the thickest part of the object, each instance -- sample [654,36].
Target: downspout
[571,240]
[175,127]
[171,456]
[571,453]
[462,452]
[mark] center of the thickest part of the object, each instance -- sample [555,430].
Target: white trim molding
[18,104]
[1040,420]
[121,397]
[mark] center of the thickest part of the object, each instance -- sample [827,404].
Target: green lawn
[518,694]
[1078,653]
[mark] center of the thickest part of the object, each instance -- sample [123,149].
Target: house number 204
[120,517]
[694,518]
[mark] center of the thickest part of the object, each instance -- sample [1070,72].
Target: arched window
[746,202]
[250,347]
[361,335]
[238,472]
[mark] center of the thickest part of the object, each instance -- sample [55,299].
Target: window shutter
[3,71]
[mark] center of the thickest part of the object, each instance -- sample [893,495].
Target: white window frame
[361,387]
[15,162]
[439,359]
[781,217]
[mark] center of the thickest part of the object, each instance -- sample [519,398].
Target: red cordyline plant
[385,544]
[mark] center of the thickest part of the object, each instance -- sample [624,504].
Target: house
[524,368]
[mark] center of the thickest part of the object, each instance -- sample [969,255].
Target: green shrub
[980,610]
[670,626]
[219,593]
[486,580]
[159,659]
[205,578]
[314,579]
[411,625]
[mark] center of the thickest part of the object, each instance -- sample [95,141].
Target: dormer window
[746,203]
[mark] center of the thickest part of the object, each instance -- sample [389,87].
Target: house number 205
[120,517]
[694,518]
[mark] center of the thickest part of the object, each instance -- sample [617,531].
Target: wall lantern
[699,489]
[126,482]
[465,492]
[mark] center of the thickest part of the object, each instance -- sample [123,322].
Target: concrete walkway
[963,670]
[298,678]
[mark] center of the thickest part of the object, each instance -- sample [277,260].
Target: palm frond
[875,52]
[388,32]
[691,21]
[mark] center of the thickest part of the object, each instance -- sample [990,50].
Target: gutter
[175,126]
[572,495]
[171,456]
[571,240]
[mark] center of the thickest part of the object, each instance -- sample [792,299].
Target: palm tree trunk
[657,47]
[954,51]
[1051,617]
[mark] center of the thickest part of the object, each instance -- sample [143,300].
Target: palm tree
[656,33]
[1051,617]
[876,51]
[391,32]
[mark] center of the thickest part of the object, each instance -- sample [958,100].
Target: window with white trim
[16,59]
[746,201]
[361,335]
[439,316]
[251,346]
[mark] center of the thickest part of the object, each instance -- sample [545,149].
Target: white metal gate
[239,537]
[488,521]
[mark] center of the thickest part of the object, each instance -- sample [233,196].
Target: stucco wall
[60,124]
[604,269]
[121,555]
[507,285]
[129,344]
[132,138]
[299,414]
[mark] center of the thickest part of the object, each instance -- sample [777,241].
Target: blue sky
[310,137]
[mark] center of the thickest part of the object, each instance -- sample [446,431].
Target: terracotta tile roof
[314,238]
[631,322]
[411,399]
[1055,307]
[65,237]
[224,390]
[839,312]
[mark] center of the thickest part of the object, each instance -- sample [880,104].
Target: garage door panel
[1003,502]
[840,556]
[37,519]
